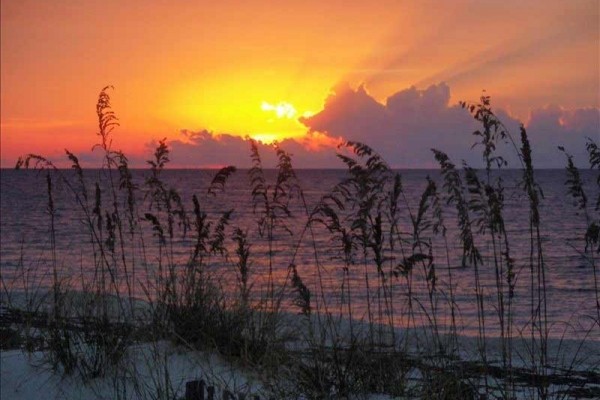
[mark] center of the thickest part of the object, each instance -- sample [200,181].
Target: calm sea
[26,248]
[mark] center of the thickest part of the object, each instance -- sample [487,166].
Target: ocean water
[26,256]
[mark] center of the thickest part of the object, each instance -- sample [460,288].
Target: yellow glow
[253,104]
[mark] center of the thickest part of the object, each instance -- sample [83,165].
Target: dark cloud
[404,128]
[554,126]
[411,121]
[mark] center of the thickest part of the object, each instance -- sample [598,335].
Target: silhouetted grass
[386,243]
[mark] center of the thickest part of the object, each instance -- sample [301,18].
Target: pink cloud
[411,121]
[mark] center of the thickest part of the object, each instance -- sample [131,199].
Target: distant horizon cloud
[219,149]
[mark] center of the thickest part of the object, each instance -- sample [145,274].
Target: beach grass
[291,334]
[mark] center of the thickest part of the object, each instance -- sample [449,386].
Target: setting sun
[251,103]
[281,110]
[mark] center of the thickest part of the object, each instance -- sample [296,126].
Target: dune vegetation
[282,328]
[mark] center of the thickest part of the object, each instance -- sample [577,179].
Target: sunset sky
[205,74]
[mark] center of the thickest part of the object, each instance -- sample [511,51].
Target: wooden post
[210,393]
[194,390]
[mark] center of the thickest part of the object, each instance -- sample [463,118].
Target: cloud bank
[402,129]
[412,121]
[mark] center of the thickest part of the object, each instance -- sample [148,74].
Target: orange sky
[254,67]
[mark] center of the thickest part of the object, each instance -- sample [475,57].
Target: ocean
[26,247]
